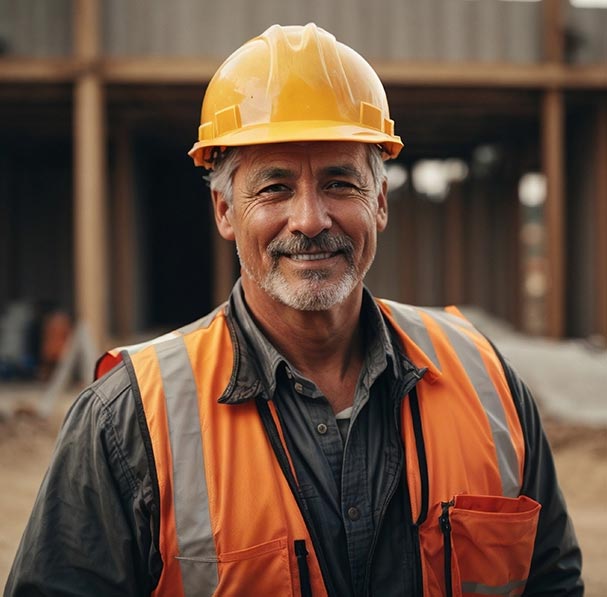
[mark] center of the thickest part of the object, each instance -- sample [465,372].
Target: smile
[310,256]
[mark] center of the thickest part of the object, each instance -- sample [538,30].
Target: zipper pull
[445,523]
[301,553]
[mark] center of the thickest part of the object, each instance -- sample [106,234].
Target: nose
[309,214]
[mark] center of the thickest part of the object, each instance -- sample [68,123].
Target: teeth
[310,256]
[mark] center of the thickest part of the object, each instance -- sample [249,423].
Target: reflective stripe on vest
[409,319]
[191,500]
[479,376]
[113,357]
[229,522]
[515,587]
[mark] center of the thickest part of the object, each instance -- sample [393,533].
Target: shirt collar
[259,361]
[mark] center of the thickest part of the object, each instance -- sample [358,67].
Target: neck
[324,346]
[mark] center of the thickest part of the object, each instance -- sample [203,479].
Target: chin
[311,294]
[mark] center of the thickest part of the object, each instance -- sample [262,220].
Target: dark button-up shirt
[346,482]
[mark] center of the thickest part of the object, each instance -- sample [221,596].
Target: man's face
[305,218]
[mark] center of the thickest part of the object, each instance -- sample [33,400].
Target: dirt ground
[26,444]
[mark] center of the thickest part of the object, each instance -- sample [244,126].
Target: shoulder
[115,356]
[106,415]
[108,397]
[407,316]
[426,332]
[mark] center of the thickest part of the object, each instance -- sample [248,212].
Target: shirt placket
[349,467]
[324,426]
[356,506]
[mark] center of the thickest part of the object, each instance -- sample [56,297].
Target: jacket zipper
[283,460]
[445,525]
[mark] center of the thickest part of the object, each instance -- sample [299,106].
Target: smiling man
[305,438]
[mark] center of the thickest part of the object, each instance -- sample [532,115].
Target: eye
[274,188]
[341,186]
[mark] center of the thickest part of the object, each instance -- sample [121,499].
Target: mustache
[300,243]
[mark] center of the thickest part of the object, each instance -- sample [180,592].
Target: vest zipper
[445,525]
[283,461]
[420,448]
[302,565]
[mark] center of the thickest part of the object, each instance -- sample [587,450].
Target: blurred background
[498,202]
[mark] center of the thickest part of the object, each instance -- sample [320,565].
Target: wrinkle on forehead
[286,161]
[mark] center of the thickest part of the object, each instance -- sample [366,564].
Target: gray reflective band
[479,376]
[510,589]
[410,321]
[198,558]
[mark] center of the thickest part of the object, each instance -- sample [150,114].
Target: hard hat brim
[291,132]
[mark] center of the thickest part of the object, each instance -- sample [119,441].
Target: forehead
[295,157]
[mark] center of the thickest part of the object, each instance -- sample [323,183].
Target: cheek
[362,224]
[252,246]
[261,228]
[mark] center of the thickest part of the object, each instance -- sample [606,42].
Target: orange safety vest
[230,521]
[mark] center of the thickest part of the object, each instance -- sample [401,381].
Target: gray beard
[313,291]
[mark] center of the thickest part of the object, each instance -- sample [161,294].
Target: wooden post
[454,253]
[125,258]
[515,311]
[600,221]
[90,240]
[553,167]
[553,38]
[408,210]
[553,124]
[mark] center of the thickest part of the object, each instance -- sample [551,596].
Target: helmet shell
[293,84]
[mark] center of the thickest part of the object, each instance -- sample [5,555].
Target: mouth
[310,256]
[320,250]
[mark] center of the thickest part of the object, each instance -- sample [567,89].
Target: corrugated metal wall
[36,27]
[587,32]
[435,30]
[402,29]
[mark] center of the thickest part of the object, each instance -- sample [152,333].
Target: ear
[223,215]
[382,207]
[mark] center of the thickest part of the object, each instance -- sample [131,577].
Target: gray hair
[220,179]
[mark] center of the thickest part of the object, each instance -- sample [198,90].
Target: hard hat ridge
[307,73]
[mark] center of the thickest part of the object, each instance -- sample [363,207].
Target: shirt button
[298,387]
[321,428]
[289,374]
[353,513]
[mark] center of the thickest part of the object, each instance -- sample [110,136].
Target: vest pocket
[488,544]
[263,569]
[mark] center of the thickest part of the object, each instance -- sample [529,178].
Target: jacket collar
[257,362]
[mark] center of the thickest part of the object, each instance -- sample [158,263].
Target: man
[304,438]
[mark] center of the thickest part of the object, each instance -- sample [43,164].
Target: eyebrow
[277,173]
[345,170]
[272,173]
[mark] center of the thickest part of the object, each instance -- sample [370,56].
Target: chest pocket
[488,544]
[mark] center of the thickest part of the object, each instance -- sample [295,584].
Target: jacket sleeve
[556,564]
[93,527]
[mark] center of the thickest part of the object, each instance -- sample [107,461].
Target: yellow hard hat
[293,84]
